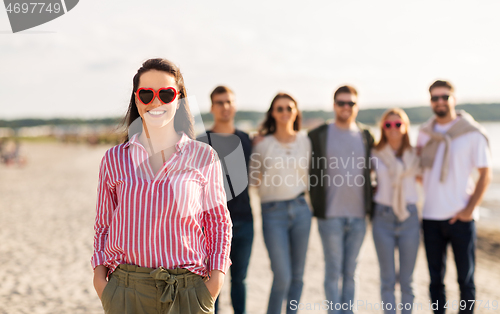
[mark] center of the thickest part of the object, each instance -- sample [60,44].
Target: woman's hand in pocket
[214,284]
[100,282]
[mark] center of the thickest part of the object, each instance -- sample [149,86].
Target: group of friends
[166,234]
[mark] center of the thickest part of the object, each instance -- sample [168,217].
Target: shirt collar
[183,141]
[179,146]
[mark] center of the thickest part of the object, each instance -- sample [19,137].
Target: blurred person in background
[341,194]
[223,110]
[279,167]
[10,152]
[395,224]
[451,146]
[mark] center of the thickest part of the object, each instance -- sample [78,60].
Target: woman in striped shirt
[162,228]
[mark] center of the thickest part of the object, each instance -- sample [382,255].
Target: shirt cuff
[219,262]
[97,259]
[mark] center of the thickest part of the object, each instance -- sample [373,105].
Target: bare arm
[257,139]
[214,284]
[419,179]
[100,282]
[465,214]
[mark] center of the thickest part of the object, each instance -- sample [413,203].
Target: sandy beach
[47,213]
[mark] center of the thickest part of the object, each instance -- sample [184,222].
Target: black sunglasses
[443,97]
[343,103]
[281,109]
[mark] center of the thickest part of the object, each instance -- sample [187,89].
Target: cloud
[390,50]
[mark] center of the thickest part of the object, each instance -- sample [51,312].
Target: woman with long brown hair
[162,228]
[395,223]
[279,167]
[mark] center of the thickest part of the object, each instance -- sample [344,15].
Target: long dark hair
[269,124]
[183,121]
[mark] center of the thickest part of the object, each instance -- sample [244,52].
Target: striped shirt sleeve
[216,219]
[106,204]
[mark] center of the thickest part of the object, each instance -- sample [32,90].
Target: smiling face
[284,111]
[345,113]
[442,107]
[223,107]
[391,131]
[156,114]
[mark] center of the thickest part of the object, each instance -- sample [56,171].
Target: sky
[82,63]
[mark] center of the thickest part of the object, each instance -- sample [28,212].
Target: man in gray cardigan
[341,195]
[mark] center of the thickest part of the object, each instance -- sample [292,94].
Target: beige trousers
[134,289]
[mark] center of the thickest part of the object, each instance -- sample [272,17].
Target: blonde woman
[395,222]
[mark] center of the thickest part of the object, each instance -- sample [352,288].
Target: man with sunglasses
[451,145]
[225,139]
[341,194]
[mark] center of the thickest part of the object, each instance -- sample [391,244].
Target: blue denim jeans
[241,248]
[286,226]
[462,237]
[389,234]
[342,239]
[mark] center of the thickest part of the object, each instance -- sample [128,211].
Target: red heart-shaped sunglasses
[165,94]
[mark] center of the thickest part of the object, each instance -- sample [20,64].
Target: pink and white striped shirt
[176,218]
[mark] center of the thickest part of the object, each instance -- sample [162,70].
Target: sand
[47,213]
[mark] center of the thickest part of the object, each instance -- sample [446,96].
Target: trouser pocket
[204,297]
[108,292]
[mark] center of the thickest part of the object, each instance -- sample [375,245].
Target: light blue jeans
[389,234]
[286,226]
[342,239]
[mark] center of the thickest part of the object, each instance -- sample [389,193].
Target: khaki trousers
[134,289]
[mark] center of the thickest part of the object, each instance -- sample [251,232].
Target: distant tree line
[481,112]
[27,122]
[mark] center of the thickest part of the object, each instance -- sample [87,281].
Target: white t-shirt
[467,152]
[385,190]
[280,170]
